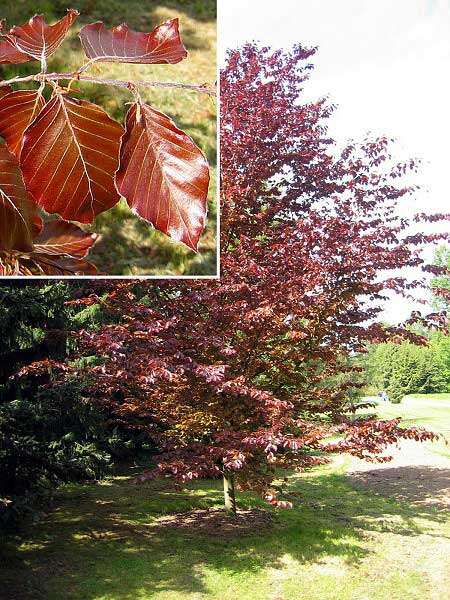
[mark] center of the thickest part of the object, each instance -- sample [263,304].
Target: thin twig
[116,82]
[86,66]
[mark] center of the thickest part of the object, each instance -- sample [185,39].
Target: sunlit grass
[104,542]
[340,542]
[423,410]
[439,396]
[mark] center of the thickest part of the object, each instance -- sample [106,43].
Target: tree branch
[115,82]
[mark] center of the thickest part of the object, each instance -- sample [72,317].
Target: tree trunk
[228,491]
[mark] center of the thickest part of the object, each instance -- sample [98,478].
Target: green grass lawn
[130,246]
[440,396]
[424,410]
[105,542]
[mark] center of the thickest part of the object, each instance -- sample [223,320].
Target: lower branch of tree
[204,89]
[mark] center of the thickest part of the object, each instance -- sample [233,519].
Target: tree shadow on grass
[109,541]
[418,485]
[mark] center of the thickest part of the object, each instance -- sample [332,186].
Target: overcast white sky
[385,63]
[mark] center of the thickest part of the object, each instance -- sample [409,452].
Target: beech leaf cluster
[72,160]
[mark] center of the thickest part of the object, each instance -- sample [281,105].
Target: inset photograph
[108,139]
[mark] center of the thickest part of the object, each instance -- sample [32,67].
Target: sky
[385,63]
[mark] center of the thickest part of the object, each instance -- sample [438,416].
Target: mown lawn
[426,410]
[105,541]
[439,396]
[129,246]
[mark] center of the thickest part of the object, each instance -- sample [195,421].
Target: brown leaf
[65,266]
[19,222]
[69,157]
[34,263]
[38,39]
[6,89]
[60,238]
[9,54]
[61,247]
[121,44]
[163,175]
[17,111]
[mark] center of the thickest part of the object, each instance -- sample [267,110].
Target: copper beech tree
[67,157]
[249,376]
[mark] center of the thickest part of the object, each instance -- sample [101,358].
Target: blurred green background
[130,246]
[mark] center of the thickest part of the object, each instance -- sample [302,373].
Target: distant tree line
[402,369]
[406,368]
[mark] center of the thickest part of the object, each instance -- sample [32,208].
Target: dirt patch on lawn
[421,486]
[217,521]
[415,475]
